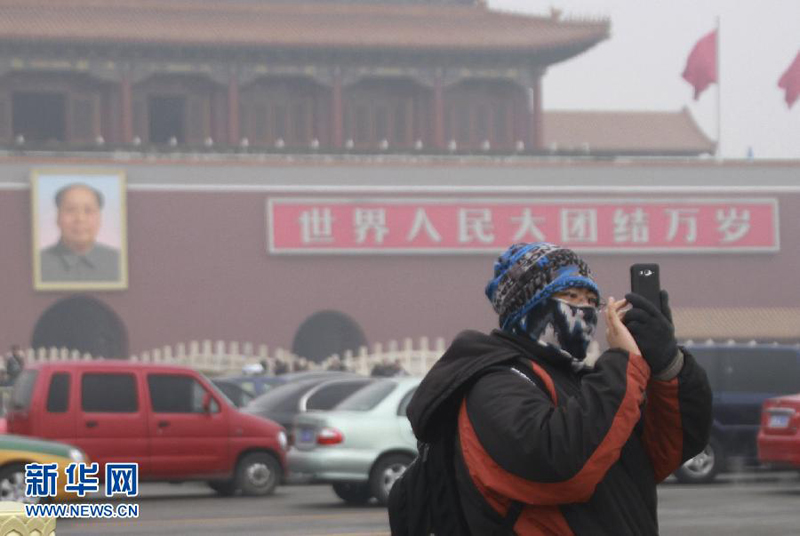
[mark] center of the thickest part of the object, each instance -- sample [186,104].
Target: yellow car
[16,451]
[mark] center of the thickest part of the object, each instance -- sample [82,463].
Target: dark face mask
[558,323]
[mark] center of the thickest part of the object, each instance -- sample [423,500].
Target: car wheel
[385,473]
[353,492]
[258,474]
[12,485]
[226,488]
[704,467]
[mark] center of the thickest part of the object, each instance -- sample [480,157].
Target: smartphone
[645,282]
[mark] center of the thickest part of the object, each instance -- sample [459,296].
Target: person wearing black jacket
[547,443]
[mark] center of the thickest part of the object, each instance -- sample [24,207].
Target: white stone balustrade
[221,357]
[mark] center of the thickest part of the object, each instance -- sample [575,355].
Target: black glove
[652,330]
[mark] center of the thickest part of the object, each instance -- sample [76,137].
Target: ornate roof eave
[558,55]
[556,52]
[295,25]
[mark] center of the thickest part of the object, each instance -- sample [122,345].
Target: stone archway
[325,333]
[84,324]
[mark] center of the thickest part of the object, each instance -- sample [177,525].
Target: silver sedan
[362,446]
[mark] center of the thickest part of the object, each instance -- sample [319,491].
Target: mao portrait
[79,230]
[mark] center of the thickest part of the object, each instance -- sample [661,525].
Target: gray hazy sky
[640,66]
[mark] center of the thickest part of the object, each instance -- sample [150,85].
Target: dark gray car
[283,402]
[742,377]
[258,384]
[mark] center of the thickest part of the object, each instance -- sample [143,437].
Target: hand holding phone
[645,281]
[649,320]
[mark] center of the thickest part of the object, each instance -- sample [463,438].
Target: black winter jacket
[582,452]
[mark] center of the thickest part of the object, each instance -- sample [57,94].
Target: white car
[361,446]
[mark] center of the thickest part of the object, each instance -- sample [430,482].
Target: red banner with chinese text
[431,226]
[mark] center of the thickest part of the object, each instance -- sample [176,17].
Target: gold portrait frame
[112,184]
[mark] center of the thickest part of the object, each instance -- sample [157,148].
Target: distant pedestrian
[15,362]
[337,365]
[397,368]
[387,368]
[281,367]
[380,369]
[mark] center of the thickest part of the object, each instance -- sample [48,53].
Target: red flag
[701,66]
[790,81]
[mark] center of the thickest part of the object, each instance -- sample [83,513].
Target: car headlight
[282,439]
[76,456]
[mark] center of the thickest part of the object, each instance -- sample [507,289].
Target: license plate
[778,421]
[306,435]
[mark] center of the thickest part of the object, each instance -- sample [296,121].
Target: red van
[170,420]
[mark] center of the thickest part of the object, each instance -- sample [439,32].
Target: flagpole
[719,94]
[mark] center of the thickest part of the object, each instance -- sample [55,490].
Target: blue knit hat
[527,274]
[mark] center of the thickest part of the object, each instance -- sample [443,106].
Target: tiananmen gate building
[322,175]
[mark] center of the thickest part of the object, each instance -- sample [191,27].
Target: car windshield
[367,398]
[216,388]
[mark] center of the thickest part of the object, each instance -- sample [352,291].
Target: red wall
[199,270]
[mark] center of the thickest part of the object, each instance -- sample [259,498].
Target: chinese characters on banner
[425,225]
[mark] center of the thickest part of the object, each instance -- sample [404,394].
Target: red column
[438,113]
[337,113]
[233,110]
[126,103]
[537,121]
